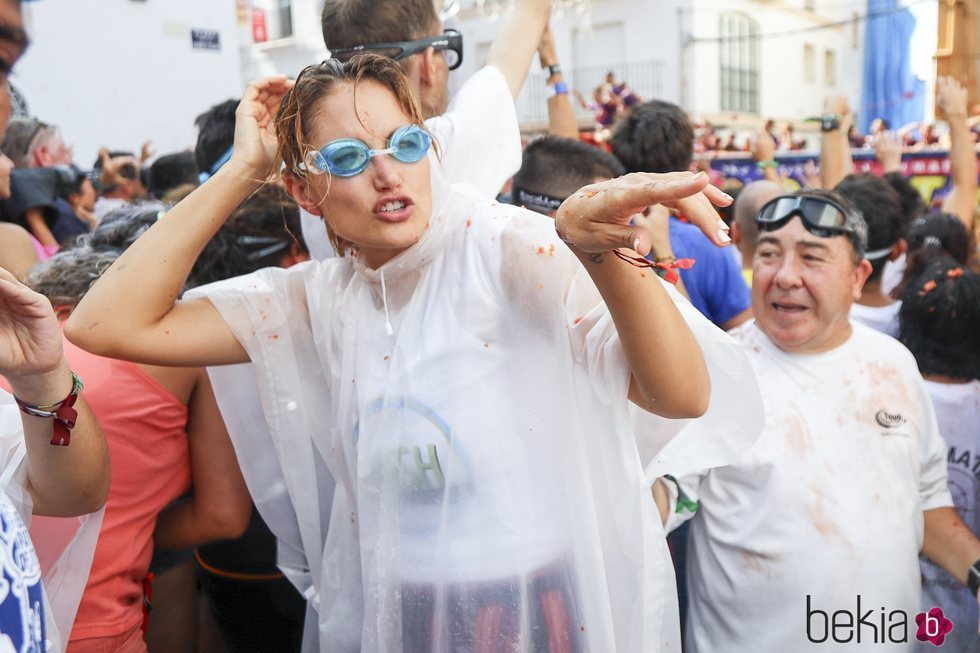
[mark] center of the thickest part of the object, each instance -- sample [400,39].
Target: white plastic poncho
[64,546]
[469,398]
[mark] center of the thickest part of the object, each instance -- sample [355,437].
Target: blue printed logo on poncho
[21,611]
[433,472]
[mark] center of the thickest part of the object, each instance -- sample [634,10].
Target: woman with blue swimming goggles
[347,157]
[449,460]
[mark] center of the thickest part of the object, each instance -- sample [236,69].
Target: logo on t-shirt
[889,420]
[420,460]
[21,611]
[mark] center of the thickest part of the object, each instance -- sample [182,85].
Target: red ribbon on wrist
[666,270]
[62,412]
[64,422]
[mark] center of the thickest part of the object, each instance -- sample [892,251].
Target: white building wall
[682,38]
[640,40]
[784,93]
[118,72]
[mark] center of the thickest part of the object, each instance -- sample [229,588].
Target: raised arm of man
[515,44]
[561,114]
[835,150]
[962,155]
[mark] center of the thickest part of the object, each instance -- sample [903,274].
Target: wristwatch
[829,122]
[553,69]
[973,578]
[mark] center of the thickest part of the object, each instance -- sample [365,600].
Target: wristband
[553,69]
[766,164]
[558,88]
[61,412]
[973,578]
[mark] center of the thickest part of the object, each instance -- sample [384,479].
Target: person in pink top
[165,435]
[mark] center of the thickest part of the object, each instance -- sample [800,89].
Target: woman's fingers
[22,302]
[634,192]
[717,196]
[254,119]
[597,217]
[698,210]
[264,92]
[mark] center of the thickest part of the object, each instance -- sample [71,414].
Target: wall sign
[205,39]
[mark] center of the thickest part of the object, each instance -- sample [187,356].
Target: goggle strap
[310,163]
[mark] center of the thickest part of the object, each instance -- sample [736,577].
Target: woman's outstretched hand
[255,134]
[597,217]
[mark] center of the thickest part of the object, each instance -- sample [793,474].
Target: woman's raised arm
[132,312]
[658,344]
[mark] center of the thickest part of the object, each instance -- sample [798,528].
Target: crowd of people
[610,101]
[721,140]
[320,384]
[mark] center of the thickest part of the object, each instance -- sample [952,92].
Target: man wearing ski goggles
[809,267]
[450,43]
[822,215]
[846,417]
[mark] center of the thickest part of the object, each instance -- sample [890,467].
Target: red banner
[260,34]
[928,171]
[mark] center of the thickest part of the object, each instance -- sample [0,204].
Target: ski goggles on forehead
[347,157]
[450,43]
[821,217]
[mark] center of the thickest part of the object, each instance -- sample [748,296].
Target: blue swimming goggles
[347,157]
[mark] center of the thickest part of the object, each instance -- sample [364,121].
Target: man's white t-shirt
[957,408]
[879,318]
[478,142]
[824,509]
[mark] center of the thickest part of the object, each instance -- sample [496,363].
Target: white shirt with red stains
[827,504]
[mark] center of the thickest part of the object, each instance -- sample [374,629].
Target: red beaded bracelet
[62,412]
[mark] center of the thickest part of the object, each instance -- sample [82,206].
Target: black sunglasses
[450,42]
[537,202]
[821,217]
[38,127]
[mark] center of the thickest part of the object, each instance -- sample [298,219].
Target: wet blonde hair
[298,111]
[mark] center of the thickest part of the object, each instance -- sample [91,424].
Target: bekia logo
[889,420]
[933,626]
[874,626]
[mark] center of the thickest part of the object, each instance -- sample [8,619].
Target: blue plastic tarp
[890,90]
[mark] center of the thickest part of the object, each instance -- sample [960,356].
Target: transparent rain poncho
[447,455]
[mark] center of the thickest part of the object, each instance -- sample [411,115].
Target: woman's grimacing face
[385,209]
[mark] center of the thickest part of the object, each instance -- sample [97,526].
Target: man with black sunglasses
[828,511]
[477,134]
